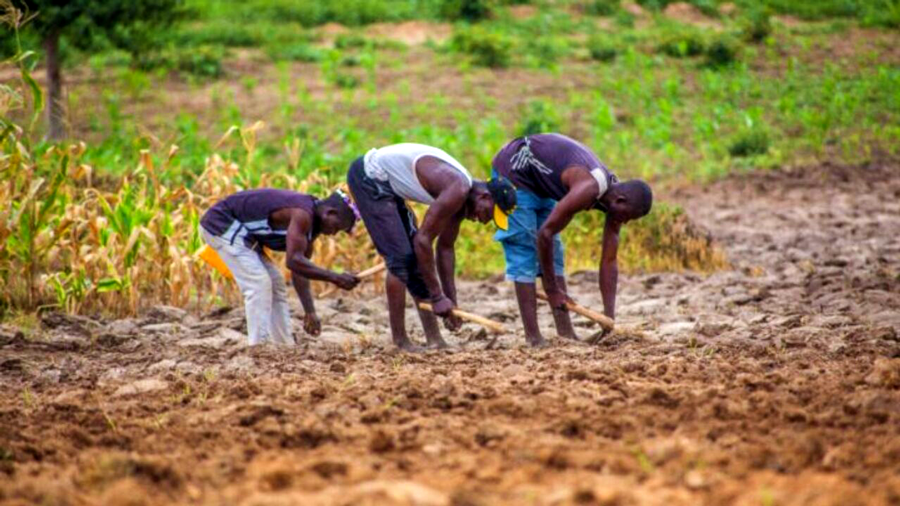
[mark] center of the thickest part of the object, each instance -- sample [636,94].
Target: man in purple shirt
[238,228]
[557,177]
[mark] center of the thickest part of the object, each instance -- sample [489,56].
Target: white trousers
[263,287]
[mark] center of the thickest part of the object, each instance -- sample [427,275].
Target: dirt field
[777,383]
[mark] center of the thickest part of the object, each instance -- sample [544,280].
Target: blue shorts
[519,242]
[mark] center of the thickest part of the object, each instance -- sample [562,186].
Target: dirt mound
[524,11]
[634,9]
[333,29]
[411,32]
[689,14]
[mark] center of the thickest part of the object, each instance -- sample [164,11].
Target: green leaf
[109,285]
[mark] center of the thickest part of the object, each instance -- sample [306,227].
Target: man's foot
[538,342]
[571,337]
[409,347]
[437,344]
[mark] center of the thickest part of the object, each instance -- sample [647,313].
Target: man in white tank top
[381,182]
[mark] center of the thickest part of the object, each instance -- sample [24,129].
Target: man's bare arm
[302,285]
[609,267]
[439,217]
[298,263]
[581,196]
[446,257]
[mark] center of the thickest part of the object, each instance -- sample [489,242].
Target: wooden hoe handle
[495,327]
[371,271]
[604,321]
[368,273]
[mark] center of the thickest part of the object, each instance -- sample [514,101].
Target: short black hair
[639,196]
[336,201]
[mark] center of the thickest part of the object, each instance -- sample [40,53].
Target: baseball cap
[504,194]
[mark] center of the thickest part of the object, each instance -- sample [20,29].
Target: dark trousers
[391,225]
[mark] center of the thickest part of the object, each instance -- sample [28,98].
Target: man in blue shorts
[555,178]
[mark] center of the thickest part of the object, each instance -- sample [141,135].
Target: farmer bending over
[381,182]
[557,177]
[238,228]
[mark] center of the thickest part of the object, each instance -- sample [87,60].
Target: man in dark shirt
[238,228]
[557,177]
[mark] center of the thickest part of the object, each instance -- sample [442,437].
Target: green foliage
[601,48]
[624,19]
[707,7]
[749,143]
[313,13]
[203,61]
[815,9]
[485,48]
[722,52]
[602,7]
[757,25]
[882,13]
[540,116]
[218,34]
[300,51]
[545,52]
[682,44]
[467,10]
[350,40]
[133,25]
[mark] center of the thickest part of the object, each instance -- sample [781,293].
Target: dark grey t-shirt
[245,216]
[536,163]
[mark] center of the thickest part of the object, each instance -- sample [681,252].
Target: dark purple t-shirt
[245,216]
[536,163]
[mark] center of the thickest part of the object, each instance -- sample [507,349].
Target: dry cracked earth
[774,383]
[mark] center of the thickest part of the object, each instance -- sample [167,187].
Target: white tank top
[397,165]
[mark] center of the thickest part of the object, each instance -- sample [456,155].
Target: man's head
[494,199]
[629,200]
[336,214]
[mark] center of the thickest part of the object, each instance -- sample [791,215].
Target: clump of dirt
[332,29]
[411,33]
[523,11]
[729,9]
[776,382]
[689,14]
[634,9]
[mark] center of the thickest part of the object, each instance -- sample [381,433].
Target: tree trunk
[55,111]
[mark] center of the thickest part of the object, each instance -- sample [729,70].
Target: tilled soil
[777,382]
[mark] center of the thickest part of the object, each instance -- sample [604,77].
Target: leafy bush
[707,7]
[540,117]
[218,34]
[624,19]
[467,10]
[757,25]
[486,48]
[749,143]
[722,52]
[883,13]
[343,80]
[546,51]
[682,44]
[601,49]
[202,61]
[817,9]
[350,40]
[346,12]
[602,7]
[295,52]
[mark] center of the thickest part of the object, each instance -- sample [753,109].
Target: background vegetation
[675,93]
